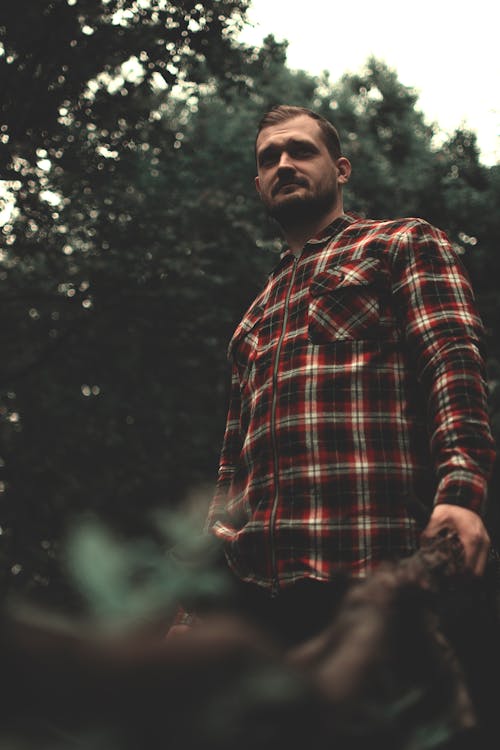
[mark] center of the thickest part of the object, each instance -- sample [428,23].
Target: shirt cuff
[465,489]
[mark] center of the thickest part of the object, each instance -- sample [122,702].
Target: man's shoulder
[386,236]
[389,240]
[388,227]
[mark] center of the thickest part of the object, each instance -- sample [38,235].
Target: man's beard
[299,209]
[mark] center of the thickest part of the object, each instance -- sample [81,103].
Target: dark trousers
[298,612]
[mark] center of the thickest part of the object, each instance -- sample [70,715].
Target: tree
[89,341]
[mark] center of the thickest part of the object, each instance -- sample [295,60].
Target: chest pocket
[346,301]
[244,343]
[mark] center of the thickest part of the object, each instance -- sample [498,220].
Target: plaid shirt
[358,399]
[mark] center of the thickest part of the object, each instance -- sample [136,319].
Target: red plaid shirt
[358,399]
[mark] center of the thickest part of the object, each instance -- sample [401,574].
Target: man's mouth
[284,186]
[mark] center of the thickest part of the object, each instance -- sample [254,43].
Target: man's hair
[283,112]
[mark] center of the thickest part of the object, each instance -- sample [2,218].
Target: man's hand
[470,529]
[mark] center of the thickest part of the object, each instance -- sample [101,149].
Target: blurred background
[132,240]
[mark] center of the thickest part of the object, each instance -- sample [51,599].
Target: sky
[446,50]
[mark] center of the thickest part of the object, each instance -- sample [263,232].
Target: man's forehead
[298,128]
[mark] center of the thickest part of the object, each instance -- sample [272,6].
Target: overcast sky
[446,50]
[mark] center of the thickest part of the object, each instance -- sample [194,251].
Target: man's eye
[301,151]
[267,159]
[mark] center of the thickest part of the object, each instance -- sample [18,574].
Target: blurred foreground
[404,666]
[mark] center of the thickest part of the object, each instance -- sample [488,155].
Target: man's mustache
[288,181]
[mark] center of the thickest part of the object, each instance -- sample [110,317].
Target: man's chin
[294,209]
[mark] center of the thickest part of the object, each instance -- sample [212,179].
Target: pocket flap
[354,273]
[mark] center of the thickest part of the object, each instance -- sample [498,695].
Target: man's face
[297,178]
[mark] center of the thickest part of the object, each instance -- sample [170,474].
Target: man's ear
[344,169]
[257,185]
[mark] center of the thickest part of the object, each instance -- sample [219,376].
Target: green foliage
[125,583]
[97,341]
[387,140]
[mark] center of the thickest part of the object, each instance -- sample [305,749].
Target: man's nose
[285,162]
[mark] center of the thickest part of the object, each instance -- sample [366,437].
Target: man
[358,405]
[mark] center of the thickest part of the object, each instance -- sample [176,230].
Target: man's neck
[297,236]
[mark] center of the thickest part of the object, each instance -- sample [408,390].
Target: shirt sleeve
[443,333]
[231,449]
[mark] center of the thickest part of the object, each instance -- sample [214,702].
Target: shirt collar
[334,228]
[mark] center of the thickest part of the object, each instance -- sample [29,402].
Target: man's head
[284,112]
[300,167]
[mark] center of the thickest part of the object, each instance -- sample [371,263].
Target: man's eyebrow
[291,142]
[301,142]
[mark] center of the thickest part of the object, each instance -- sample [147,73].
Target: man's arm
[230,453]
[443,332]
